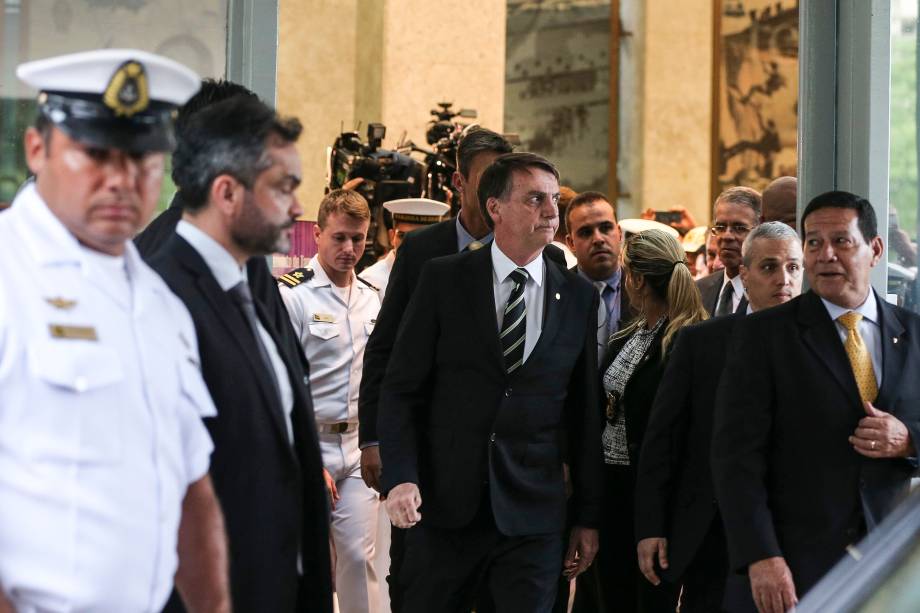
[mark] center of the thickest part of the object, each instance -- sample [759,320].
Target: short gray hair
[770,230]
[740,194]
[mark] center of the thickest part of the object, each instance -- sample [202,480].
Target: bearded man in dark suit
[237,167]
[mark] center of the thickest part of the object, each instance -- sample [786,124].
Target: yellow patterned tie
[859,357]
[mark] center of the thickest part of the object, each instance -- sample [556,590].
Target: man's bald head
[779,201]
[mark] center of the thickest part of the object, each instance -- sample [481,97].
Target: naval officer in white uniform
[104,490]
[333,312]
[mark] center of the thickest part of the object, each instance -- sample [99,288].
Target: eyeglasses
[738,229]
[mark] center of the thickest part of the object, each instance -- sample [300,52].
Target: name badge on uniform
[324,317]
[81,333]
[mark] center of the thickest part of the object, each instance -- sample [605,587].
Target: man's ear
[457,181]
[226,194]
[316,231]
[743,271]
[878,248]
[493,209]
[569,242]
[35,149]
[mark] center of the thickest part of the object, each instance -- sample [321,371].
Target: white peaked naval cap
[122,98]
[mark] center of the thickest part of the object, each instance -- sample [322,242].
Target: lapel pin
[558,296]
[894,340]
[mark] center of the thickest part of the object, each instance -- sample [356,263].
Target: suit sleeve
[741,430]
[584,428]
[380,344]
[405,390]
[665,437]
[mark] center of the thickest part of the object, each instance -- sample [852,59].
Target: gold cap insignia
[61,303]
[127,92]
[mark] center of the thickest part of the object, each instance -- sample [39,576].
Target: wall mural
[557,85]
[756,118]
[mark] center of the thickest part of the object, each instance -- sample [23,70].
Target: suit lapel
[482,293]
[555,298]
[226,312]
[819,334]
[893,348]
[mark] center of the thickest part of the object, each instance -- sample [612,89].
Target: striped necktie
[859,357]
[514,322]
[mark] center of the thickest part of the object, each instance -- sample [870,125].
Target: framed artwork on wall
[755,92]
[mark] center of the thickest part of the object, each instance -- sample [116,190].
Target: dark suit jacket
[160,228]
[262,284]
[674,493]
[787,480]
[640,390]
[417,248]
[272,495]
[710,287]
[455,420]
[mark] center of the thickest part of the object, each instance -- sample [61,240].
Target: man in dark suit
[238,198]
[678,527]
[815,430]
[493,374]
[158,231]
[595,239]
[469,231]
[736,212]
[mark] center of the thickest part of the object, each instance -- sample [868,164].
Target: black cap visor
[91,122]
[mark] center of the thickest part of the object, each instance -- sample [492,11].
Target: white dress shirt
[101,400]
[534,291]
[869,329]
[229,274]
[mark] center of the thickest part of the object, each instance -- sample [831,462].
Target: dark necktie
[514,322]
[725,300]
[243,299]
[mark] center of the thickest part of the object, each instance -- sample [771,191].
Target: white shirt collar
[223,265]
[321,279]
[50,242]
[503,266]
[868,309]
[737,285]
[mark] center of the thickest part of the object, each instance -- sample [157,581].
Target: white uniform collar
[223,265]
[504,266]
[50,242]
[321,279]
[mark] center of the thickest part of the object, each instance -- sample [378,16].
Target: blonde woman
[662,291]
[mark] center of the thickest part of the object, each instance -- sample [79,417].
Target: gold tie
[859,357]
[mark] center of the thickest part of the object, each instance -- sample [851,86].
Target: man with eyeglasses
[737,211]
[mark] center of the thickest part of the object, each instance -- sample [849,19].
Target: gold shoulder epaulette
[296,277]
[370,285]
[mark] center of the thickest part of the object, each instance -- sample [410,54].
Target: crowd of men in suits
[469,399]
